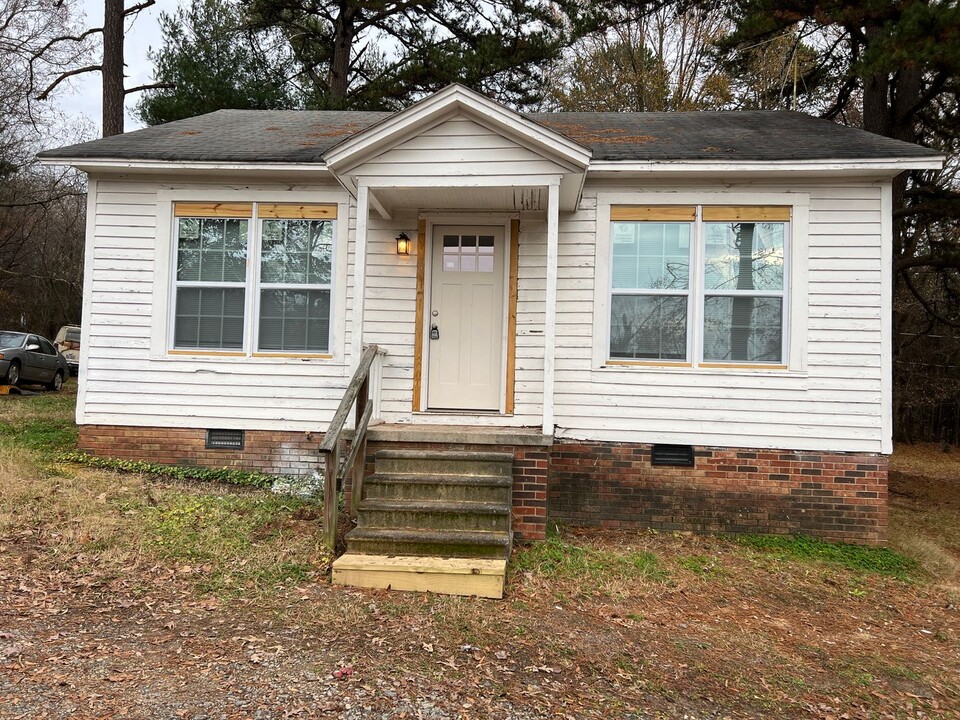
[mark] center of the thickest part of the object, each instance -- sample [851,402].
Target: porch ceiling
[464,198]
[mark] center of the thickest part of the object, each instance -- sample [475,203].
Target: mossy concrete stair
[434,520]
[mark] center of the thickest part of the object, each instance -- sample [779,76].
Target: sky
[82,99]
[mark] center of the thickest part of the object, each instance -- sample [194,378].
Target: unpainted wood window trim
[696,292]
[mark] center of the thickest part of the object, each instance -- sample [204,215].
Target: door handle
[434,332]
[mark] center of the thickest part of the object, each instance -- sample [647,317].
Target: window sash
[697,293]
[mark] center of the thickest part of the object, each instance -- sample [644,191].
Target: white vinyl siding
[830,399]
[458,146]
[129,379]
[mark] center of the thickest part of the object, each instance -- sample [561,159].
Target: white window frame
[795,304]
[165,260]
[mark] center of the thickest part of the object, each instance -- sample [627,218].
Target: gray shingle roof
[303,136]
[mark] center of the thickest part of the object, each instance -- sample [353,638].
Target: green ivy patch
[177,472]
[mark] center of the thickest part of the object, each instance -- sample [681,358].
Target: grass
[234,543]
[595,622]
[44,422]
[702,566]
[176,472]
[856,558]
[559,557]
[925,509]
[228,538]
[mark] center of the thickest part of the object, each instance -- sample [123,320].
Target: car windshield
[73,336]
[11,339]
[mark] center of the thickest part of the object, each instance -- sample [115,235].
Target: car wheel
[13,373]
[57,382]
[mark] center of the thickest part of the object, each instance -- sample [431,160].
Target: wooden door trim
[511,379]
[418,321]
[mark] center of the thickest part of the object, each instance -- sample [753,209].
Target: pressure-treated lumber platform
[482,577]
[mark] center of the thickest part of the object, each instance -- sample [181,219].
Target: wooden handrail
[358,393]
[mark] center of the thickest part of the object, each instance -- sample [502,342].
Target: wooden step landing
[449,576]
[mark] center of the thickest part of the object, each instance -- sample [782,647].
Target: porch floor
[458,434]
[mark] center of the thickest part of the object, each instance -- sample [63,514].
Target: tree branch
[931,311]
[65,38]
[34,203]
[134,9]
[79,71]
[945,261]
[151,86]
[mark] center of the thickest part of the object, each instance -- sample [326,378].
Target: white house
[674,320]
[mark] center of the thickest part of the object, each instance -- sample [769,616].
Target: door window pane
[743,329]
[648,327]
[744,256]
[468,253]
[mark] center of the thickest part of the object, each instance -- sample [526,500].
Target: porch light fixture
[403,244]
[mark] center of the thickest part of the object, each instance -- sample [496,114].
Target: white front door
[465,318]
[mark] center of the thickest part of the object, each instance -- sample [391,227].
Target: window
[468,253]
[237,261]
[45,347]
[651,283]
[729,309]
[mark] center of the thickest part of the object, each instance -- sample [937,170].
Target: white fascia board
[446,101]
[891,165]
[125,165]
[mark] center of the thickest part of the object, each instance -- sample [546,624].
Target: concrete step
[444,463]
[434,514]
[428,542]
[450,576]
[478,488]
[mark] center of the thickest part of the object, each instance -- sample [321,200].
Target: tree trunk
[112,67]
[338,77]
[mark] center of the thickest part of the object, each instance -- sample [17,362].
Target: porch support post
[550,318]
[359,272]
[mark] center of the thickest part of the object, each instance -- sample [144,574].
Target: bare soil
[120,625]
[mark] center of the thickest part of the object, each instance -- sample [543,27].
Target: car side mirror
[33,347]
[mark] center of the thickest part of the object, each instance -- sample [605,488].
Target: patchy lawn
[135,596]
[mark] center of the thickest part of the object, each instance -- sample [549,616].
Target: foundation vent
[225,439]
[672,455]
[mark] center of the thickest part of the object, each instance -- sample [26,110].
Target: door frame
[509,223]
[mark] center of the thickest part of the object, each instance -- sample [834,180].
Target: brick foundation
[274,452]
[834,496]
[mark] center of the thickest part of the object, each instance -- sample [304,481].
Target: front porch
[436,507]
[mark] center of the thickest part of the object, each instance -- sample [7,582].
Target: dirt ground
[131,596]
